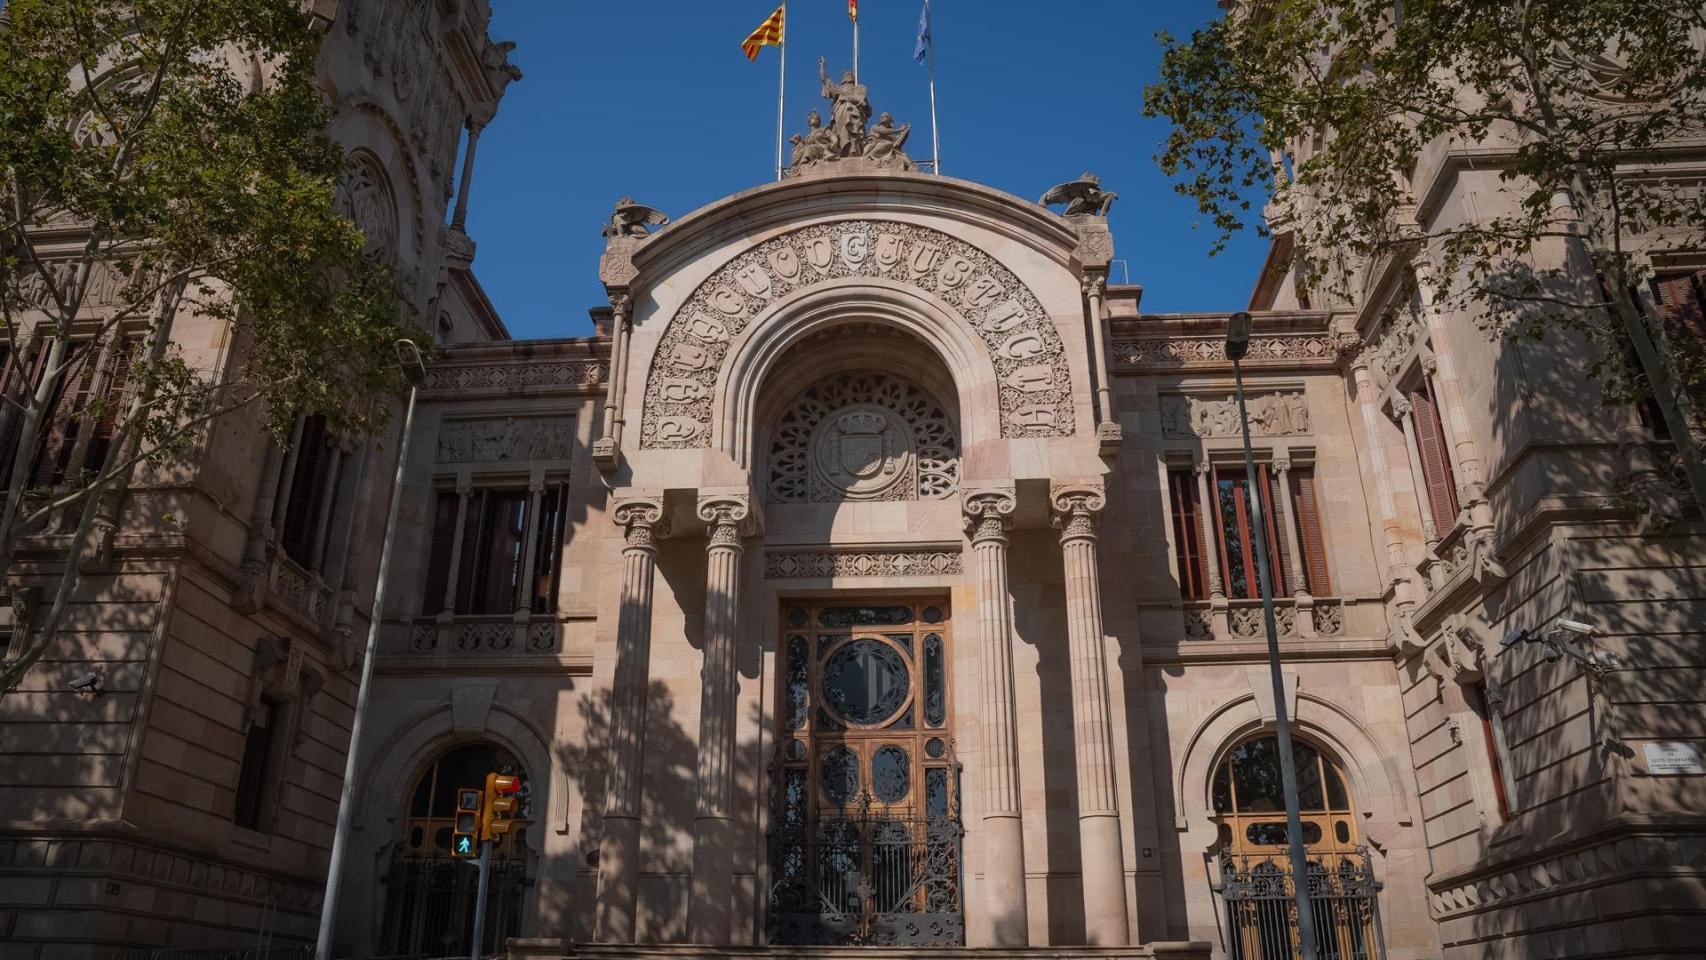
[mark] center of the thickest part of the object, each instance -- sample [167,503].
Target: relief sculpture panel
[1271,415]
[1033,381]
[509,439]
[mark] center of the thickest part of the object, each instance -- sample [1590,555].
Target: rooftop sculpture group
[846,136]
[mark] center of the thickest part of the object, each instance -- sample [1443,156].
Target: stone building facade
[880,573]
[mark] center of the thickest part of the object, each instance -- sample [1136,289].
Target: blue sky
[653,98]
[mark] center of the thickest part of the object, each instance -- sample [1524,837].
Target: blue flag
[919,52]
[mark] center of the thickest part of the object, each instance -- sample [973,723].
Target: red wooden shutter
[473,560]
[1308,515]
[1681,301]
[1187,535]
[1436,463]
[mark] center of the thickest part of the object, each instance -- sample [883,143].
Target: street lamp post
[1238,344]
[409,358]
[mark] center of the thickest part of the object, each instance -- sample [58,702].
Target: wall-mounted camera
[89,685]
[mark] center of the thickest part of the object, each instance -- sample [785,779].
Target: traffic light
[465,840]
[498,814]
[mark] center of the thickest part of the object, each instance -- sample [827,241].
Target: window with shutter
[59,431]
[1234,532]
[115,396]
[1187,535]
[309,484]
[1308,513]
[1681,300]
[1436,462]
[443,539]
[22,374]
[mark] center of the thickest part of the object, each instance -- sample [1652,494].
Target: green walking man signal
[465,841]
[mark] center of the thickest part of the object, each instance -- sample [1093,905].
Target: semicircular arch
[899,268]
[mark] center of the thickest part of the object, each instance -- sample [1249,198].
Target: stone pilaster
[1107,428]
[607,448]
[711,910]
[619,850]
[988,515]
[1101,849]
[1424,502]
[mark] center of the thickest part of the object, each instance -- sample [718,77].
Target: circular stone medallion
[863,452]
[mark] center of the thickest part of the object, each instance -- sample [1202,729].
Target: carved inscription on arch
[1033,383]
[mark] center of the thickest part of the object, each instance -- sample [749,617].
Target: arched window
[1248,799]
[430,896]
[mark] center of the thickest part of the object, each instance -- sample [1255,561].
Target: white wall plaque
[1672,758]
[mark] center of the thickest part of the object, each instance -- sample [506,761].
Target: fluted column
[712,908]
[1366,398]
[605,449]
[619,850]
[988,516]
[1101,850]
[529,560]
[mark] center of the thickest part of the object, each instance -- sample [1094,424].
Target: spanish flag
[768,34]
[853,10]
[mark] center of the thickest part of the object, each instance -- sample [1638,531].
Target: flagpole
[935,145]
[781,87]
[855,49]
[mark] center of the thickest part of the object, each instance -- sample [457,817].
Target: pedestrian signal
[500,805]
[464,841]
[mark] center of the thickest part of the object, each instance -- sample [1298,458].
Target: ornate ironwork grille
[867,839]
[1261,916]
[1256,876]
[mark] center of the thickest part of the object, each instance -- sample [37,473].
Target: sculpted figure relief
[1083,196]
[845,136]
[1271,415]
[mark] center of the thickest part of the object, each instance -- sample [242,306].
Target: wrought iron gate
[876,880]
[1261,916]
[429,905]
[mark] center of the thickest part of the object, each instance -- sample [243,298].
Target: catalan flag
[768,34]
[853,10]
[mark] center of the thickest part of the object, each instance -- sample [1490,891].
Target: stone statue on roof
[844,138]
[850,110]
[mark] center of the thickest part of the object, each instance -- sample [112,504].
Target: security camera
[1515,636]
[87,683]
[1577,628]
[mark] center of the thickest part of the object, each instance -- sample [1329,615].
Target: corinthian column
[1101,850]
[619,850]
[713,825]
[987,517]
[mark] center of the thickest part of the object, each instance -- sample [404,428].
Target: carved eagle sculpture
[632,219]
[1083,196]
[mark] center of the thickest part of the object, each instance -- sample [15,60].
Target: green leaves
[1327,111]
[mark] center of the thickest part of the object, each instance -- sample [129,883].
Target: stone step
[550,949]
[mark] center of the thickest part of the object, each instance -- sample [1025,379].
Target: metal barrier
[1261,916]
[867,880]
[301,951]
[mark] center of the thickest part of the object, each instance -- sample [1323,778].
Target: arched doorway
[1256,874]
[867,837]
[429,903]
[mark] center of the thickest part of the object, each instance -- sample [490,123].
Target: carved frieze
[866,436]
[798,564]
[1390,344]
[1172,353]
[509,439]
[1283,414]
[1033,381]
[569,374]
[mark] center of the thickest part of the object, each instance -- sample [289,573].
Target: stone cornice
[1196,341]
[567,367]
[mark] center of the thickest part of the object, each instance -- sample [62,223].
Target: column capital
[727,515]
[1093,284]
[464,486]
[642,520]
[1401,407]
[1202,467]
[621,303]
[1075,507]
[536,485]
[988,512]
[1281,465]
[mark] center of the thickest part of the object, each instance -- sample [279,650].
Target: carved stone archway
[986,300]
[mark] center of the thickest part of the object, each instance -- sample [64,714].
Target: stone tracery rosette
[1033,381]
[863,436]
